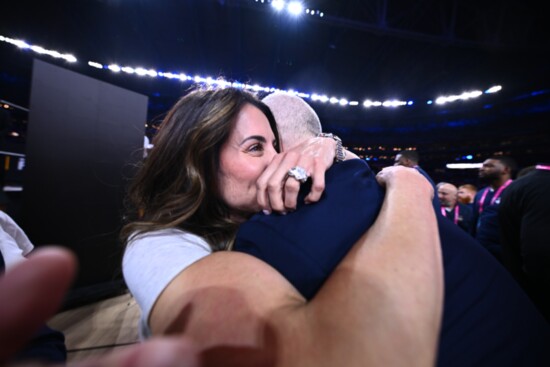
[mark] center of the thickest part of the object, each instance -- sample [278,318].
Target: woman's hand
[278,192]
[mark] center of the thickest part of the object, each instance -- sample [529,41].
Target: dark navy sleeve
[487,319]
[466,214]
[266,243]
[475,211]
[306,245]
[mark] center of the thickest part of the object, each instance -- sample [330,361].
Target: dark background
[408,50]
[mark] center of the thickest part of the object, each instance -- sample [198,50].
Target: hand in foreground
[278,192]
[31,293]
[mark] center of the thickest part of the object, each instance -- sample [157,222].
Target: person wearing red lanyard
[460,214]
[497,173]
[524,217]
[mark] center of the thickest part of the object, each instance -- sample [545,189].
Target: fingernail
[266,212]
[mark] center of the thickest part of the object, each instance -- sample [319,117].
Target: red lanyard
[540,166]
[444,212]
[497,194]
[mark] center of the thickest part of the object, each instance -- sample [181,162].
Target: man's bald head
[447,194]
[296,120]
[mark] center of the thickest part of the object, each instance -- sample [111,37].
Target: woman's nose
[271,153]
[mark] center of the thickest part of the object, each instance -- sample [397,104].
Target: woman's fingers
[279,192]
[270,184]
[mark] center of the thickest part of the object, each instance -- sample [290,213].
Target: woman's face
[243,158]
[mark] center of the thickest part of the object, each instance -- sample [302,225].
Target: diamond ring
[298,173]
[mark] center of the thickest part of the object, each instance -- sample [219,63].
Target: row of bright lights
[315,97]
[295,8]
[367,158]
[39,50]
[466,95]
[312,96]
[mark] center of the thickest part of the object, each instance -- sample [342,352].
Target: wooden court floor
[98,328]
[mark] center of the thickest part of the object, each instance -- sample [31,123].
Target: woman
[200,182]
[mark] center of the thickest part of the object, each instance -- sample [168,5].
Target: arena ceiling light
[494,89]
[278,5]
[464,165]
[219,82]
[39,50]
[458,97]
[295,8]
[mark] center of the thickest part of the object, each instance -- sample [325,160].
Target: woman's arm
[381,306]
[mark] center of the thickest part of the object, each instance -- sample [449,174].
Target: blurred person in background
[458,213]
[497,173]
[524,218]
[466,194]
[407,158]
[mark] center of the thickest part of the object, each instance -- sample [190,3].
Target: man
[524,216]
[480,324]
[497,173]
[466,194]
[407,158]
[459,214]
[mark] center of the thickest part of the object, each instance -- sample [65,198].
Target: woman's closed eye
[257,147]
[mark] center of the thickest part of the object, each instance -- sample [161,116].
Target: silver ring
[298,173]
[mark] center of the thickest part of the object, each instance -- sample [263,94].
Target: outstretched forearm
[381,305]
[385,299]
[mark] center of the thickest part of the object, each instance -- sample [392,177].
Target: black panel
[84,136]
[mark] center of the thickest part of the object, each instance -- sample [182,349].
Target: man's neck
[499,182]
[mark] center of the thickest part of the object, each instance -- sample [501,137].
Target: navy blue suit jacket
[306,245]
[487,319]
[486,227]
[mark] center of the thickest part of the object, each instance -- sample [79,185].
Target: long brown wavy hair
[177,185]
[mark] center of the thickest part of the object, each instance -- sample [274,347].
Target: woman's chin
[243,214]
